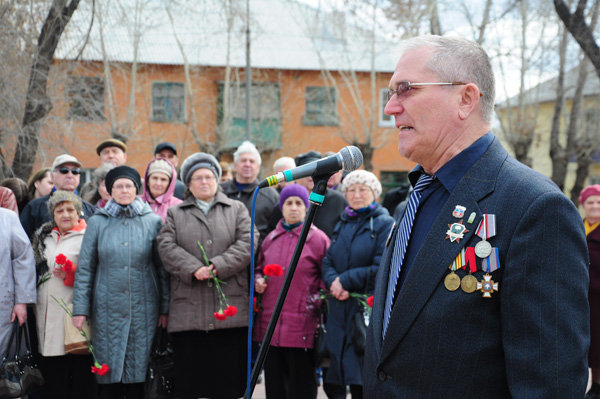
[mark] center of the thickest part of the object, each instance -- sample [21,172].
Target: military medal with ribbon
[489,264]
[452,280]
[486,230]
[469,283]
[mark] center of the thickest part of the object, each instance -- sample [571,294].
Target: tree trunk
[38,104]
[583,34]
[583,170]
[558,155]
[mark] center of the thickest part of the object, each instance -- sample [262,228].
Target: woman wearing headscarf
[351,266]
[209,353]
[590,200]
[159,186]
[289,366]
[121,285]
[65,375]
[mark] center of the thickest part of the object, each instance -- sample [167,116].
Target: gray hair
[246,146]
[59,197]
[284,162]
[455,59]
[100,173]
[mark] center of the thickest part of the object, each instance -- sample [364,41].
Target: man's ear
[469,100]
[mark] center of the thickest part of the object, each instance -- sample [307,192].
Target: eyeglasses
[64,170]
[362,191]
[404,88]
[124,187]
[203,178]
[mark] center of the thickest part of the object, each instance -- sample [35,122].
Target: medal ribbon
[459,262]
[487,227]
[492,262]
[469,259]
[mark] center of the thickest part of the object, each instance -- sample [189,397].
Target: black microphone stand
[317,197]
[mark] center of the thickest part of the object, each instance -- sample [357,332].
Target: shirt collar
[453,171]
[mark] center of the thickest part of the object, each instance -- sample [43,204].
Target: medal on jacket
[487,286]
[459,211]
[456,231]
[486,230]
[469,283]
[452,281]
[490,264]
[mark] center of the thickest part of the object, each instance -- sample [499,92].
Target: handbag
[161,368]
[75,343]
[319,346]
[360,323]
[19,374]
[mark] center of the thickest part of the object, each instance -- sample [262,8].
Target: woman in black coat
[350,267]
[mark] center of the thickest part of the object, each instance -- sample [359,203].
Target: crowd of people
[146,255]
[479,282]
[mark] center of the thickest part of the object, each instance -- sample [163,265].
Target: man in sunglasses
[482,286]
[65,173]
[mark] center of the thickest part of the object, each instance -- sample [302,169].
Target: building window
[321,106]
[86,98]
[265,108]
[390,180]
[168,102]
[384,120]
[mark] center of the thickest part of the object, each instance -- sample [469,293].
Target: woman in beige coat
[65,375]
[210,354]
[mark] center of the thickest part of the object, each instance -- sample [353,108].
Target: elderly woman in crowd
[63,235]
[590,200]
[40,184]
[121,285]
[17,275]
[210,354]
[350,266]
[100,197]
[159,186]
[289,366]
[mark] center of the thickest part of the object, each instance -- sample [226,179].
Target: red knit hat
[589,191]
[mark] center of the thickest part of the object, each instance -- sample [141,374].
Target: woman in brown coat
[209,353]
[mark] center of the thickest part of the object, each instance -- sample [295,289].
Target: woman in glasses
[121,285]
[209,339]
[350,267]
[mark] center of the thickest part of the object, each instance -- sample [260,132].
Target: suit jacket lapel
[437,252]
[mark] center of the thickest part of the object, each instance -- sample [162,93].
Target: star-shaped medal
[456,231]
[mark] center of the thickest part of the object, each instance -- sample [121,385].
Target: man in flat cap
[110,151]
[66,170]
[168,151]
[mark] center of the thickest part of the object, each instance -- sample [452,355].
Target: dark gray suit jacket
[530,340]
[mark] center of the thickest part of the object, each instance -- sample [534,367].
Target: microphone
[349,158]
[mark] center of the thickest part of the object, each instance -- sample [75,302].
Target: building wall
[62,134]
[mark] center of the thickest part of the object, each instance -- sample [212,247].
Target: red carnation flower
[370,301]
[61,259]
[273,270]
[100,370]
[219,315]
[230,311]
[256,306]
[68,266]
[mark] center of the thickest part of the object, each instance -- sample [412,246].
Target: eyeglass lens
[64,170]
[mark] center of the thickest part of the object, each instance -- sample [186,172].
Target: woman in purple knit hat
[290,366]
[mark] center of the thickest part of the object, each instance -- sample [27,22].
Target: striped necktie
[402,238]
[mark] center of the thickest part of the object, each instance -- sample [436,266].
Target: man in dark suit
[454,318]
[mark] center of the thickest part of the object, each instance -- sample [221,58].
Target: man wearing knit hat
[168,151]
[246,163]
[329,213]
[66,172]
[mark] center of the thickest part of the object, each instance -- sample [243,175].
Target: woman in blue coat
[121,286]
[350,267]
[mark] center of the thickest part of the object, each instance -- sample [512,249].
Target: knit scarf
[119,211]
